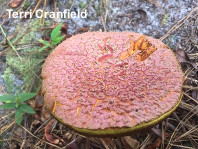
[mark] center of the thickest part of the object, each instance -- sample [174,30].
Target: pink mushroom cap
[89,87]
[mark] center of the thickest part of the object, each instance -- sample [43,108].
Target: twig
[103,23]
[190,114]
[181,146]
[9,42]
[42,125]
[191,98]
[39,138]
[190,87]
[44,7]
[105,145]
[37,5]
[178,24]
[71,5]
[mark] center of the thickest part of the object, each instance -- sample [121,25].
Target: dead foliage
[15,3]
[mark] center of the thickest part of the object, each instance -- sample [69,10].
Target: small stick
[178,24]
[9,42]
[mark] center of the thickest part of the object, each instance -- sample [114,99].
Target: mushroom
[111,83]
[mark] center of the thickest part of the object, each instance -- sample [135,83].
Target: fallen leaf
[67,136]
[63,27]
[129,142]
[73,145]
[39,101]
[194,94]
[157,131]
[13,145]
[138,43]
[82,30]
[45,114]
[76,144]
[131,48]
[15,3]
[109,142]
[183,58]
[156,144]
[19,132]
[48,136]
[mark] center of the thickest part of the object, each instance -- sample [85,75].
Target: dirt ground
[175,22]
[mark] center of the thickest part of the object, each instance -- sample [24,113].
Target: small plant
[55,38]
[17,102]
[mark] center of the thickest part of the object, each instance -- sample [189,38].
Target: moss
[32,60]
[26,5]
[12,82]
[82,5]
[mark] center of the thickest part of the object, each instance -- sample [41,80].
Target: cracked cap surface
[87,84]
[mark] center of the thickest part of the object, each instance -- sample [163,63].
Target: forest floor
[172,21]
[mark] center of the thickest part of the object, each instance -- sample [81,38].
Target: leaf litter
[178,131]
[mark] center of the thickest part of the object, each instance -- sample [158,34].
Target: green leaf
[56,32]
[7,98]
[44,42]
[58,40]
[26,96]
[19,116]
[27,109]
[8,106]
[17,105]
[43,48]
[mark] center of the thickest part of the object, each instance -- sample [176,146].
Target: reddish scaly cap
[88,84]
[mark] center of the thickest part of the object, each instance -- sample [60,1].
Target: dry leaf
[63,27]
[157,131]
[156,144]
[109,142]
[183,58]
[131,48]
[15,3]
[143,48]
[45,114]
[39,101]
[67,136]
[82,30]
[194,94]
[19,132]
[76,144]
[129,142]
[48,136]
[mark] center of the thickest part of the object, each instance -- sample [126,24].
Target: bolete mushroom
[111,83]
